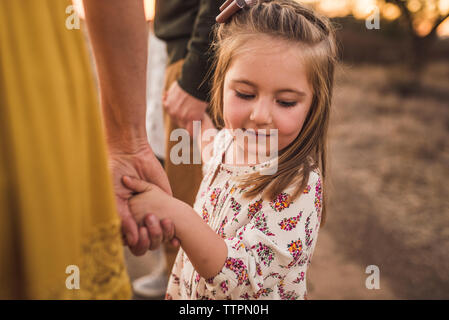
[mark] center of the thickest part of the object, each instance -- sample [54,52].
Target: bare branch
[402,4]
[438,23]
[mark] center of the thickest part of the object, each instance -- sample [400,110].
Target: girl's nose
[261,113]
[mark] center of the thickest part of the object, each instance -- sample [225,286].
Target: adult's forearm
[119,36]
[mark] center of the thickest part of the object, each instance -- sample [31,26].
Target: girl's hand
[149,199]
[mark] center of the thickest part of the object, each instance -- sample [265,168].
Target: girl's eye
[244,96]
[287,103]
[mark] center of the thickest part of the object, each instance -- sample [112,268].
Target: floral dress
[270,243]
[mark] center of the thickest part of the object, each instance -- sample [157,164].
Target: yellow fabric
[56,201]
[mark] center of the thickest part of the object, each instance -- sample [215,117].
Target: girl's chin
[254,153]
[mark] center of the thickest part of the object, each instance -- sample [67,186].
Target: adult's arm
[194,77]
[119,36]
[186,99]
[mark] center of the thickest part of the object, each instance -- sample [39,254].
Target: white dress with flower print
[270,243]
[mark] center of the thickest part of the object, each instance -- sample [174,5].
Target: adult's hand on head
[183,107]
[140,163]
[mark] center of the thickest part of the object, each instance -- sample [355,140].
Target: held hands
[149,198]
[182,107]
[143,164]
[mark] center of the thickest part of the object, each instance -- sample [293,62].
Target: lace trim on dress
[103,273]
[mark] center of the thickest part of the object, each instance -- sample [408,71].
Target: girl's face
[266,87]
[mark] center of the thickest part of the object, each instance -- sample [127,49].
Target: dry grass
[389,193]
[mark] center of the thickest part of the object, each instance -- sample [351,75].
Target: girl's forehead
[264,44]
[263,48]
[270,63]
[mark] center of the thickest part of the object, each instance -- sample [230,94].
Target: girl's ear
[135,185]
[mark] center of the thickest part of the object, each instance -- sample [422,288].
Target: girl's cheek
[289,124]
[234,112]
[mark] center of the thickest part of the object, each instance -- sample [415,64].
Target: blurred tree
[422,19]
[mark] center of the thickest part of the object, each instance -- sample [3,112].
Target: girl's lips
[264,132]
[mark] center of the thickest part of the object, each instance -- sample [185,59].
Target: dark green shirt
[186,26]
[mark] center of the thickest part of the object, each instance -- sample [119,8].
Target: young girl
[252,235]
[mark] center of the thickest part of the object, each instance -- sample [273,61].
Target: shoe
[152,286]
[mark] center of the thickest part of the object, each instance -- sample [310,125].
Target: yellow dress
[57,206]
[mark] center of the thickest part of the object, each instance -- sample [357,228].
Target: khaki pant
[184,179]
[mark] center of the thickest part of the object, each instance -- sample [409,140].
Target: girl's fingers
[130,231]
[143,244]
[168,229]
[175,242]
[135,184]
[154,230]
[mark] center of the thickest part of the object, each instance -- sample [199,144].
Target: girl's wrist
[181,214]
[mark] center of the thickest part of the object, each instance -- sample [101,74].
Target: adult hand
[182,107]
[141,164]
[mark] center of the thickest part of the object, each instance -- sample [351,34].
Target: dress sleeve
[268,257]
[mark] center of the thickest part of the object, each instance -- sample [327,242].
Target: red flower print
[300,278]
[318,196]
[236,207]
[288,224]
[214,196]
[262,292]
[295,248]
[245,296]
[265,253]
[254,208]
[261,224]
[205,214]
[308,231]
[307,189]
[281,202]
[239,268]
[221,228]
[224,286]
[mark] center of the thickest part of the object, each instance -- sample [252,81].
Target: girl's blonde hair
[290,21]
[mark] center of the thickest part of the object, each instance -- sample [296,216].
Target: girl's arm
[206,250]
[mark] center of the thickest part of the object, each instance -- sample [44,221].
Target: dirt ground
[388,195]
[388,192]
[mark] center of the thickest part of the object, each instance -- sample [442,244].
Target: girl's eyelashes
[282,103]
[244,96]
[287,104]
